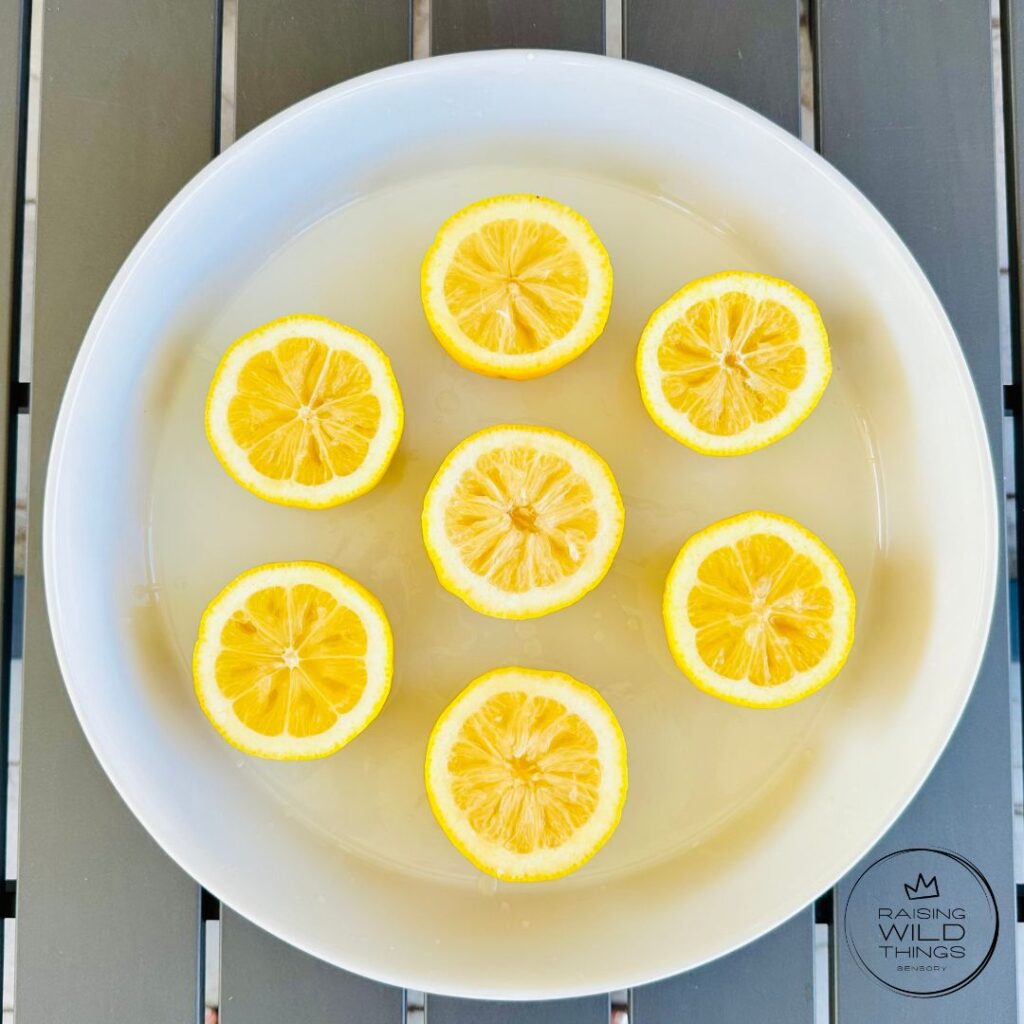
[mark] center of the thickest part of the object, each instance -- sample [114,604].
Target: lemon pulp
[526,773]
[758,610]
[520,521]
[293,660]
[516,286]
[521,518]
[304,411]
[733,362]
[761,611]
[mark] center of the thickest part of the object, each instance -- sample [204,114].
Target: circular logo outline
[986,889]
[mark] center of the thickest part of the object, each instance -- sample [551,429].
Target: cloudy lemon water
[694,762]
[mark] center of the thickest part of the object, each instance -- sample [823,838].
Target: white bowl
[736,818]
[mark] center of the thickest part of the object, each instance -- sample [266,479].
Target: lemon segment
[526,773]
[733,362]
[304,411]
[521,521]
[293,660]
[758,611]
[516,286]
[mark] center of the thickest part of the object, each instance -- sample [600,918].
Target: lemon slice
[526,773]
[516,286]
[521,521]
[293,660]
[304,411]
[758,611]
[733,362]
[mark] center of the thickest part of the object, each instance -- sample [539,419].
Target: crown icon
[922,890]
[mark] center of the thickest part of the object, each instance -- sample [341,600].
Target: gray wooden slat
[771,990]
[457,25]
[589,1010]
[905,111]
[263,981]
[108,926]
[11,111]
[14,18]
[1013,95]
[748,49]
[288,51]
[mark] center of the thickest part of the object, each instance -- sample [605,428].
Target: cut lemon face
[758,611]
[526,773]
[521,521]
[293,660]
[733,362]
[516,286]
[304,411]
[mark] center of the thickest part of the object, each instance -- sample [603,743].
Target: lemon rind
[526,366]
[350,724]
[289,493]
[680,635]
[544,682]
[475,592]
[803,400]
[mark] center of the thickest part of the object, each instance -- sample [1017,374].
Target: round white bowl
[736,819]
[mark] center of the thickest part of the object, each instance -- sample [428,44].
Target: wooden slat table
[108,929]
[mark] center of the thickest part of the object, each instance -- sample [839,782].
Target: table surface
[107,927]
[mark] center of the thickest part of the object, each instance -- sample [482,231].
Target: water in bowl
[694,763]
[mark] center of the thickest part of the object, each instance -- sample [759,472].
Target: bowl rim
[550,61]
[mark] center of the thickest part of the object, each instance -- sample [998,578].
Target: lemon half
[516,286]
[304,411]
[733,362]
[293,660]
[758,611]
[526,773]
[521,521]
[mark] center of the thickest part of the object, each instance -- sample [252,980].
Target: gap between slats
[808,78]
[225,133]
[824,910]
[420,29]
[228,66]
